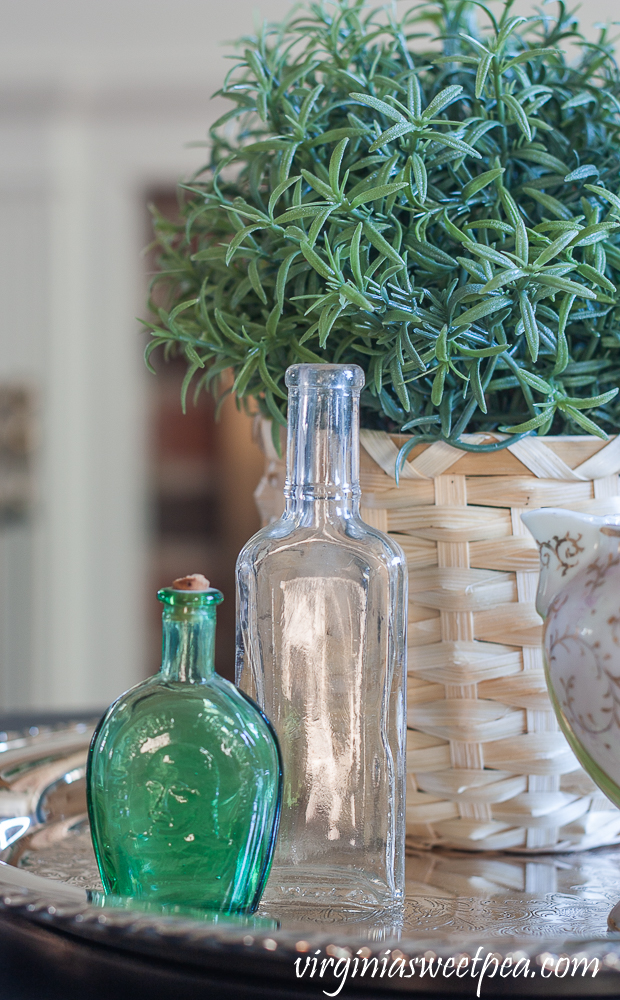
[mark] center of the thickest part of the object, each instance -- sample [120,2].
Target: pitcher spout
[567,542]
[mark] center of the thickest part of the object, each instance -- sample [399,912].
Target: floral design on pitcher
[598,570]
[614,623]
[578,598]
[571,646]
[564,549]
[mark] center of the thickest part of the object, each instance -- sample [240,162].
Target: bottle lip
[190,598]
[305,376]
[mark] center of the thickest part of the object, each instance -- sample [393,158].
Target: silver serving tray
[456,902]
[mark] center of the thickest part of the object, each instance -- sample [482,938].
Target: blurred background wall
[97,103]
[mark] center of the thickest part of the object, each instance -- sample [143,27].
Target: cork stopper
[194,581]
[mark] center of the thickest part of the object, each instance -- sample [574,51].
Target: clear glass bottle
[321,620]
[184,777]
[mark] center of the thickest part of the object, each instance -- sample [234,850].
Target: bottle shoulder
[350,533]
[157,706]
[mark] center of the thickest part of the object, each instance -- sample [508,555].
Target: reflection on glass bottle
[184,775]
[321,602]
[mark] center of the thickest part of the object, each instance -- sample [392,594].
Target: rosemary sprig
[448,219]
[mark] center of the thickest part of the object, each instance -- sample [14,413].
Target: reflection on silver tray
[455,901]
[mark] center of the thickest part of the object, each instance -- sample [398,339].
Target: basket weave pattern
[487,768]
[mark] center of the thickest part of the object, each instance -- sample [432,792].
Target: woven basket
[487,768]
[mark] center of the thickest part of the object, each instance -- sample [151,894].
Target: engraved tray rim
[271,953]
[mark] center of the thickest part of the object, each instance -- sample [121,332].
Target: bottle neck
[188,644]
[323,449]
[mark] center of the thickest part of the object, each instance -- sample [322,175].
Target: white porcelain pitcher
[579,598]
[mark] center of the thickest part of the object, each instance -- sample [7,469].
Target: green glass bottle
[184,775]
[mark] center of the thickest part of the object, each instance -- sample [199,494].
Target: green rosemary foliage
[447,217]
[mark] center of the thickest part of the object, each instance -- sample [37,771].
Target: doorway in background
[202,475]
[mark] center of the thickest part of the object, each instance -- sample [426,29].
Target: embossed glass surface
[321,647]
[184,777]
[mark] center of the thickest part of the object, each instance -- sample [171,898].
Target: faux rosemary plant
[433,200]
